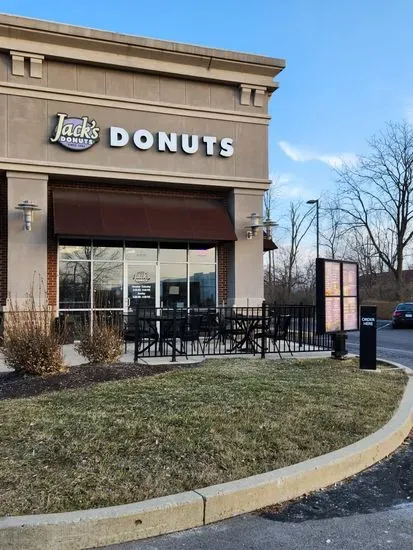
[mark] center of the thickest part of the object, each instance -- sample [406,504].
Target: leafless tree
[289,273]
[270,197]
[333,230]
[377,196]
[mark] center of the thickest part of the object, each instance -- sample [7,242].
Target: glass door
[142,284]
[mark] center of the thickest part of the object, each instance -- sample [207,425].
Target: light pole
[315,201]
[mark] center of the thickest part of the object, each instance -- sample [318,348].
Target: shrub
[102,342]
[30,342]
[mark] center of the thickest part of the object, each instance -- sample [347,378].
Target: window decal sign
[77,134]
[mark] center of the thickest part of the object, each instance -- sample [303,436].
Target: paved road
[394,345]
[373,510]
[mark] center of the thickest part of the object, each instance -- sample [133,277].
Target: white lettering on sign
[210,142]
[227,149]
[189,143]
[118,137]
[79,133]
[166,141]
[143,139]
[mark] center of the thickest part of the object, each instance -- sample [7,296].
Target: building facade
[143,160]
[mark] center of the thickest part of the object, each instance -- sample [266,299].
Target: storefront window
[172,253]
[185,274]
[202,285]
[72,250]
[108,250]
[107,285]
[74,285]
[141,253]
[201,255]
[174,285]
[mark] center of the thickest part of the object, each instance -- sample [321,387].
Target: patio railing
[177,332]
[172,332]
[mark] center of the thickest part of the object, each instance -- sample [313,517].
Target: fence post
[135,354]
[173,360]
[263,328]
[300,325]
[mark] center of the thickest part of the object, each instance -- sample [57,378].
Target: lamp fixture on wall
[27,208]
[256,223]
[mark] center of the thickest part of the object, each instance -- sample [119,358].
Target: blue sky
[349,65]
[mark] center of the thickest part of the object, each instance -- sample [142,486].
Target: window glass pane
[107,285]
[202,284]
[201,255]
[171,252]
[74,322]
[141,253]
[74,250]
[108,250]
[74,285]
[174,287]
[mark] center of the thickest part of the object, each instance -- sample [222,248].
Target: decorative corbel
[245,94]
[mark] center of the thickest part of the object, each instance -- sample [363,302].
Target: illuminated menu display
[333,314]
[332,279]
[337,296]
[349,279]
[350,313]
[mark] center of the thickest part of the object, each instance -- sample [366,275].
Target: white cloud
[289,186]
[302,154]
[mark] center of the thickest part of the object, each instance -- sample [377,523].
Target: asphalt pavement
[372,510]
[392,344]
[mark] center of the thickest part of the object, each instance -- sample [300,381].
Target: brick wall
[52,275]
[3,240]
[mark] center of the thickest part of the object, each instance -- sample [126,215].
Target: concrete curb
[98,527]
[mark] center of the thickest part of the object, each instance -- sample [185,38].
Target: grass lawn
[129,440]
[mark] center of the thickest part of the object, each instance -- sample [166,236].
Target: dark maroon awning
[128,215]
[268,244]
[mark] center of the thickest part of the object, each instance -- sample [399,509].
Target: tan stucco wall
[104,81]
[27,250]
[245,266]
[29,122]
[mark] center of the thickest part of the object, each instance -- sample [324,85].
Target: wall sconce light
[268,224]
[256,223]
[27,208]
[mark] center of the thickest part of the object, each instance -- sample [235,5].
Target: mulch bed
[15,385]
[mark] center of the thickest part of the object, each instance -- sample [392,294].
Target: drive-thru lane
[392,344]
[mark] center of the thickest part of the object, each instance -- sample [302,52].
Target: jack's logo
[74,133]
[141,277]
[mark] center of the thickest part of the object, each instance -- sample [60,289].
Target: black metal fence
[174,332]
[195,331]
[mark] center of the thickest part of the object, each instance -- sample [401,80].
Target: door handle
[128,302]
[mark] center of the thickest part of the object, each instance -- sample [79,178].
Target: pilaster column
[27,250]
[245,265]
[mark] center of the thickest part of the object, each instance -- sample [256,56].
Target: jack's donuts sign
[82,133]
[74,133]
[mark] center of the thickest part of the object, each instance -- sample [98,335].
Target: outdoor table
[161,331]
[245,325]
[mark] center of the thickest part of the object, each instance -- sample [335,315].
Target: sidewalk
[73,358]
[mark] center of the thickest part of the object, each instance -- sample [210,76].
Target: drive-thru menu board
[337,296]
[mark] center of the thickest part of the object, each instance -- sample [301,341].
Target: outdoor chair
[189,332]
[215,328]
[141,331]
[276,328]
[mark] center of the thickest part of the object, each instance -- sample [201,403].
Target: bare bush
[102,342]
[30,343]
